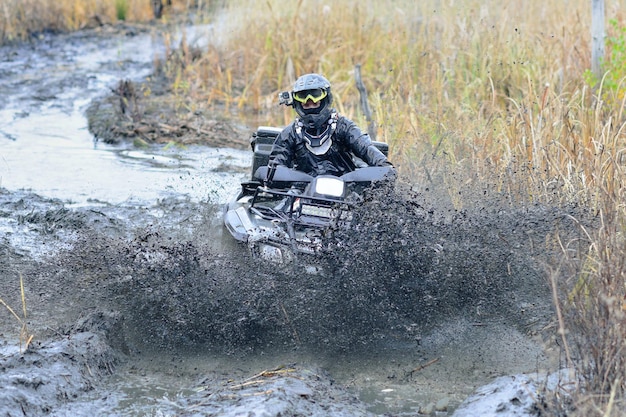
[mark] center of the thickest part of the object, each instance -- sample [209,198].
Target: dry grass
[20,19]
[492,87]
[25,336]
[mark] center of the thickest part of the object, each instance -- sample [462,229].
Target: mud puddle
[46,146]
[138,308]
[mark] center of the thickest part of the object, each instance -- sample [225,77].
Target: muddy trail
[139,305]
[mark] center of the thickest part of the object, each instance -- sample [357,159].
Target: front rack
[287,206]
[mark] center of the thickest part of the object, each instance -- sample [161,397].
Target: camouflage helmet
[316,88]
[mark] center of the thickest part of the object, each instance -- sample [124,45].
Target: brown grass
[500,85]
[21,19]
[25,336]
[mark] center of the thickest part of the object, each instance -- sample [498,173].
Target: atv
[291,215]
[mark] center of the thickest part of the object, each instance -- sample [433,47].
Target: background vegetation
[24,19]
[470,94]
[494,87]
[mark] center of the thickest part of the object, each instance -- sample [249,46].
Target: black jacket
[290,150]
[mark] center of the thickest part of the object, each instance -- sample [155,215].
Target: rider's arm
[282,153]
[360,143]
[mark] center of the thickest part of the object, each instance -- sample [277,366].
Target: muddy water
[47,148]
[433,311]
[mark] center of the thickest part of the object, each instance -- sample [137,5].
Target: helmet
[316,88]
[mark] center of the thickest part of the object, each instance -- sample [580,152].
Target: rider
[319,141]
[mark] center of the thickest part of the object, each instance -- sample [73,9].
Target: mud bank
[50,374]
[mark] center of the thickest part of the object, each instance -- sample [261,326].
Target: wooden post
[157,8]
[597,37]
[371,125]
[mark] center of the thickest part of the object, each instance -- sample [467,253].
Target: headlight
[329,186]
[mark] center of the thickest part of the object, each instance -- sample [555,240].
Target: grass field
[487,85]
[472,92]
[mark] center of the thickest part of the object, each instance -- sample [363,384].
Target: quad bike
[291,217]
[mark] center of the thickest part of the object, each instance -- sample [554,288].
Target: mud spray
[413,281]
[400,271]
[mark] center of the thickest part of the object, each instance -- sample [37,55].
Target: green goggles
[314,95]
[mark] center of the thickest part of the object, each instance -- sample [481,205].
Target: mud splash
[404,271]
[416,312]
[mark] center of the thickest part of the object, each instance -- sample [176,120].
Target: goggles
[315,95]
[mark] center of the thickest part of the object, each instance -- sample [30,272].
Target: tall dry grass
[20,19]
[490,85]
[473,93]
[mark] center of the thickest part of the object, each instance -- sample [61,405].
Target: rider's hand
[393,174]
[271,170]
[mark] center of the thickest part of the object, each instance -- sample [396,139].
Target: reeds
[25,337]
[457,78]
[21,19]
[493,88]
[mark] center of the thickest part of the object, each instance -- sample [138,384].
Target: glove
[393,173]
[271,170]
[384,163]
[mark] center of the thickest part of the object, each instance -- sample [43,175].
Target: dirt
[152,310]
[157,118]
